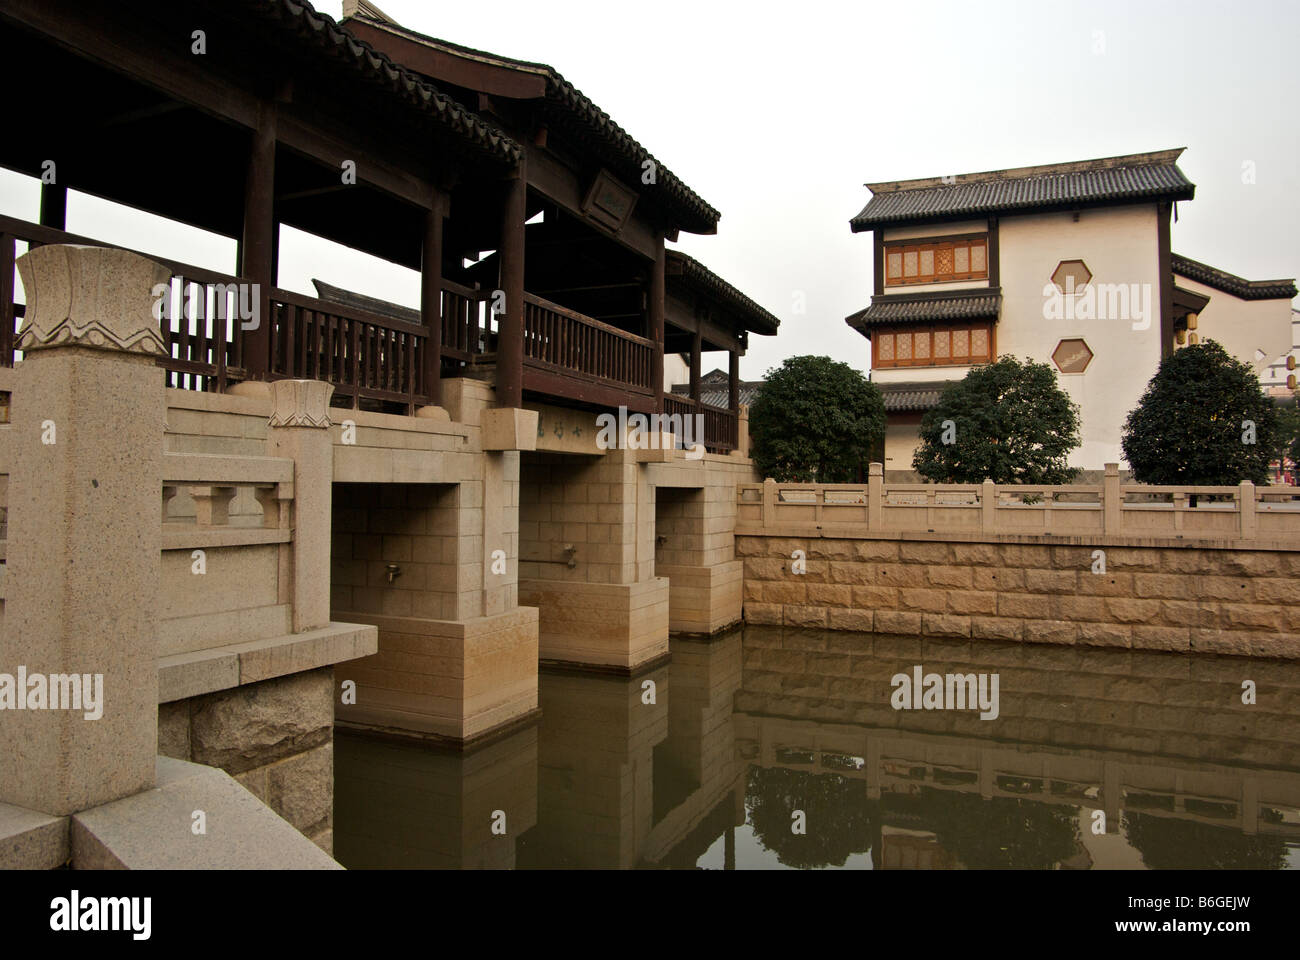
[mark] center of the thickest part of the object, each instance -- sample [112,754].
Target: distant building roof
[1127,179]
[713,389]
[684,269]
[922,308]
[1230,283]
[911,397]
[361,301]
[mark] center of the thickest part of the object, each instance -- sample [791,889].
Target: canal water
[772,748]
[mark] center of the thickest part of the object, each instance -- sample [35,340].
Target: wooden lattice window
[933,346]
[936,261]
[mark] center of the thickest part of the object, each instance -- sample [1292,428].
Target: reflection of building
[1068,264]
[911,850]
[1080,732]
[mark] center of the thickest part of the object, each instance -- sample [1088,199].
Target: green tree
[815,420]
[1204,420]
[1007,421]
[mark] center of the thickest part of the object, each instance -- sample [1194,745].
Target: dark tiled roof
[572,110]
[922,308]
[1230,283]
[361,301]
[682,268]
[299,19]
[1127,179]
[909,397]
[714,397]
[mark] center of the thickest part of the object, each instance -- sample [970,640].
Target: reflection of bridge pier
[624,782]
[404,804]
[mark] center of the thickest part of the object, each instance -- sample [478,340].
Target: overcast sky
[778,113]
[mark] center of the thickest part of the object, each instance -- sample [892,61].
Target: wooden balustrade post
[431,298]
[510,323]
[1112,501]
[988,506]
[1246,509]
[875,496]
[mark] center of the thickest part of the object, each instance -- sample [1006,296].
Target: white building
[1065,263]
[1274,379]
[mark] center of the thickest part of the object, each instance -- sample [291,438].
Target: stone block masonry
[274,737]
[1203,597]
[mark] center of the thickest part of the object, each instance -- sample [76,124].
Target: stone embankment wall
[275,737]
[1212,599]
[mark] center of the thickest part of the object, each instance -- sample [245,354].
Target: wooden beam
[431,297]
[733,395]
[54,206]
[655,304]
[582,390]
[301,135]
[257,245]
[510,326]
[100,34]
[697,347]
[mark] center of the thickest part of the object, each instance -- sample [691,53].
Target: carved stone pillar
[84,533]
[299,430]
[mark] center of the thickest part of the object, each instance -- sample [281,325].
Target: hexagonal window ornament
[1071,275]
[1072,356]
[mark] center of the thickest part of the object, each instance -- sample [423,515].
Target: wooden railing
[364,355]
[367,356]
[719,435]
[1243,512]
[466,323]
[563,341]
[204,350]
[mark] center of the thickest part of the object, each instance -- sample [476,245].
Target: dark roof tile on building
[1230,283]
[923,308]
[713,389]
[361,301]
[681,268]
[1127,179]
[570,109]
[911,397]
[299,19]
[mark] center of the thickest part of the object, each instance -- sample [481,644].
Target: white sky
[777,113]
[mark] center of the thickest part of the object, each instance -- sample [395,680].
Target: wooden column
[431,297]
[733,393]
[54,206]
[655,301]
[697,345]
[257,246]
[510,323]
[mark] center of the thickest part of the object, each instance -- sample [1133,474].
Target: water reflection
[1098,759]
